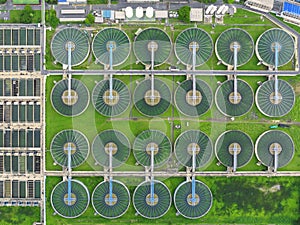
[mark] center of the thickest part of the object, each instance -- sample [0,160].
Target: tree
[90,19]
[53,2]
[184,14]
[26,14]
[51,18]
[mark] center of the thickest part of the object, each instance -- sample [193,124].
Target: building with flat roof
[141,1]
[161,14]
[196,14]
[69,2]
[261,5]
[291,12]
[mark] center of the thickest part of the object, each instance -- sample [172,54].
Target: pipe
[152,75]
[234,157]
[69,69]
[193,178]
[110,175]
[152,179]
[276,151]
[194,68]
[69,177]
[111,45]
[235,57]
[276,96]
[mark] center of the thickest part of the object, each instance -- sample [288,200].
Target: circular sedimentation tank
[189,207]
[234,105]
[114,39]
[114,205]
[190,103]
[274,142]
[231,39]
[69,140]
[148,207]
[77,40]
[192,38]
[193,141]
[111,103]
[271,40]
[273,105]
[234,140]
[71,103]
[78,203]
[152,104]
[111,141]
[152,140]
[152,38]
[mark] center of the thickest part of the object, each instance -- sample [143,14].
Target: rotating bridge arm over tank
[69,71]
[111,199]
[276,152]
[276,52]
[111,47]
[277,98]
[235,150]
[152,46]
[236,46]
[193,176]
[194,48]
[69,197]
[152,178]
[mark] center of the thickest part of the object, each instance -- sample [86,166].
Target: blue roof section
[291,8]
[62,0]
[106,13]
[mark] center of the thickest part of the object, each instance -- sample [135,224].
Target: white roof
[98,19]
[149,12]
[196,14]
[268,3]
[161,14]
[119,15]
[208,9]
[139,12]
[129,12]
[141,1]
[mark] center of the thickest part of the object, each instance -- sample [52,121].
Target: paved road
[170,174]
[171,73]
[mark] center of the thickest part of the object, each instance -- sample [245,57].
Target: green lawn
[236,200]
[213,122]
[26,2]
[244,17]
[19,215]
[15,16]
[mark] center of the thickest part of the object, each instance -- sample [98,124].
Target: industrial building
[291,12]
[261,5]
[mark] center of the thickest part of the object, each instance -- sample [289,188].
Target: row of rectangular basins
[30,138]
[20,62]
[20,36]
[20,112]
[20,87]
[20,164]
[20,189]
